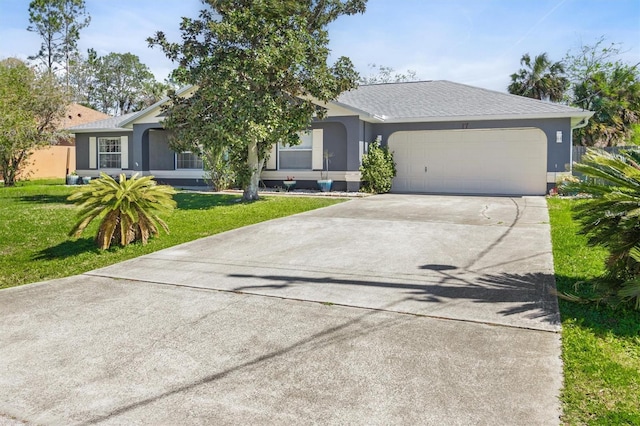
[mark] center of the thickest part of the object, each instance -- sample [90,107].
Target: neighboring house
[51,161]
[446,137]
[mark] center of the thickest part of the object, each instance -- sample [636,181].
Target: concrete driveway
[394,309]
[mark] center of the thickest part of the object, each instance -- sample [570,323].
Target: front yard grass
[600,346]
[35,219]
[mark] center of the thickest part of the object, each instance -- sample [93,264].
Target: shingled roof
[420,101]
[442,100]
[108,124]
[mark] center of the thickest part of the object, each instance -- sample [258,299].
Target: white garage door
[488,161]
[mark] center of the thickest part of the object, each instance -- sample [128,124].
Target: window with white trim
[298,157]
[110,153]
[188,160]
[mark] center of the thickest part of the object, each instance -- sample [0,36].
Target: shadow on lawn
[67,249]
[190,201]
[45,199]
[600,318]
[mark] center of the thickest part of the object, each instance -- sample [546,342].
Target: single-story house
[446,138]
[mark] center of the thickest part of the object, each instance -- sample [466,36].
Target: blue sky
[477,42]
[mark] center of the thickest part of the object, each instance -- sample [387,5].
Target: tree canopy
[255,65]
[384,74]
[539,79]
[58,22]
[592,78]
[117,83]
[31,107]
[603,83]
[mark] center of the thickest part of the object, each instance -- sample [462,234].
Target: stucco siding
[334,139]
[82,147]
[353,127]
[139,157]
[161,157]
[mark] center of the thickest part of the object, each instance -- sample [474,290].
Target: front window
[296,157]
[109,153]
[188,160]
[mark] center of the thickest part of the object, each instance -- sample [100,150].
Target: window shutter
[93,153]
[271,163]
[124,152]
[316,151]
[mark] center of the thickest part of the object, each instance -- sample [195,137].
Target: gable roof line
[148,109]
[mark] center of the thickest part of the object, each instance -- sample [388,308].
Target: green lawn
[600,346]
[35,219]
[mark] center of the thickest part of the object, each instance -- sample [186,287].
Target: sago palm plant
[611,218]
[128,210]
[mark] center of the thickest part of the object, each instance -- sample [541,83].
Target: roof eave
[362,114]
[578,116]
[100,130]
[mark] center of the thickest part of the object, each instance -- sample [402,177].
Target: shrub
[219,173]
[128,209]
[378,169]
[611,219]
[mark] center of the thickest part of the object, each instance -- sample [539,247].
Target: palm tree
[611,219]
[128,209]
[540,79]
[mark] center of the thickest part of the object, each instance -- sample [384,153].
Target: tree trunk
[8,173]
[255,165]
[9,176]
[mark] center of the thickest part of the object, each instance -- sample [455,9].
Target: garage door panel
[491,161]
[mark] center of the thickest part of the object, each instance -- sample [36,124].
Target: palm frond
[611,219]
[128,209]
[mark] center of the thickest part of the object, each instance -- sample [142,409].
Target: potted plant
[72,179]
[324,182]
[289,183]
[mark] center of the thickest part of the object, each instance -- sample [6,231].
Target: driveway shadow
[529,294]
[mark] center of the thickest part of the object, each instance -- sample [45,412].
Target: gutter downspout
[582,123]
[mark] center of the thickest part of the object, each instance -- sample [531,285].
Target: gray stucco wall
[82,147]
[353,127]
[139,157]
[558,154]
[161,157]
[334,139]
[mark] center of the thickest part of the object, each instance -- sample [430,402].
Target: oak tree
[256,66]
